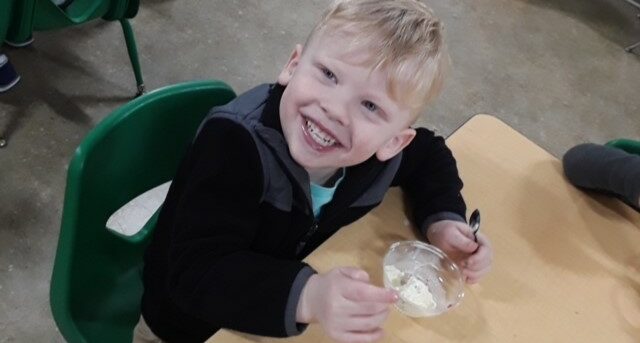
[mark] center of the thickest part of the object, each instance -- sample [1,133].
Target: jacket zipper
[315,225]
[303,242]
[327,219]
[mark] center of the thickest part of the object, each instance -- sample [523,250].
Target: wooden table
[567,263]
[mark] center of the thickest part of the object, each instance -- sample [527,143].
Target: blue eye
[329,74]
[370,106]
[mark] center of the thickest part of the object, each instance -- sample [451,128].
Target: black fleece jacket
[237,221]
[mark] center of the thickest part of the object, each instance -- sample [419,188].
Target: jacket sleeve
[428,175]
[214,274]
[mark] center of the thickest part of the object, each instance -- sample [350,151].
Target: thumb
[462,242]
[355,273]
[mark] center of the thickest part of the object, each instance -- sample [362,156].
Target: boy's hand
[346,305]
[456,240]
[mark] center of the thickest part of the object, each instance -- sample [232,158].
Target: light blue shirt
[321,195]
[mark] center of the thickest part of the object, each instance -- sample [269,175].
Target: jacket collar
[271,112]
[270,132]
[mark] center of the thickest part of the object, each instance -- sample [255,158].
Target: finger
[362,337]
[480,260]
[368,308]
[471,281]
[355,273]
[459,241]
[476,273]
[367,323]
[483,240]
[483,257]
[466,230]
[369,293]
[473,276]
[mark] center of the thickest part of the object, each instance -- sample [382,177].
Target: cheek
[366,142]
[306,86]
[378,139]
[289,100]
[291,97]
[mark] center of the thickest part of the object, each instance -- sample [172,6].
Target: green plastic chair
[628,145]
[96,283]
[42,15]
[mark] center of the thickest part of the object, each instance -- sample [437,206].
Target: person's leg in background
[607,169]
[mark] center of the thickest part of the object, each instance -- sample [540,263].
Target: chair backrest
[96,282]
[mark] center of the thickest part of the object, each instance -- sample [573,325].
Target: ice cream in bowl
[427,281]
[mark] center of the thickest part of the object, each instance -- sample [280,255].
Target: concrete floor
[553,69]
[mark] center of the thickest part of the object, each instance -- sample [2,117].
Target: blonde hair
[404,37]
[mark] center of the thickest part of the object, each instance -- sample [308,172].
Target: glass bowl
[427,281]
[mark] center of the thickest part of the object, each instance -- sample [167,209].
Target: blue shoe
[8,75]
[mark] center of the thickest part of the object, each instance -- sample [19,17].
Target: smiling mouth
[318,135]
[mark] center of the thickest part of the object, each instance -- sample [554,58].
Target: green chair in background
[40,15]
[628,145]
[96,283]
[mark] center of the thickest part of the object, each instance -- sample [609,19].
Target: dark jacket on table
[237,220]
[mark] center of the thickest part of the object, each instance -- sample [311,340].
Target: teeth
[319,136]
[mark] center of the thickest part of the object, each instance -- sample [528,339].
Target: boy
[277,171]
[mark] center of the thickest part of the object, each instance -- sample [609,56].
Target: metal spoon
[474,223]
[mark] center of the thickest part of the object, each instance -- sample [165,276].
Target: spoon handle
[474,223]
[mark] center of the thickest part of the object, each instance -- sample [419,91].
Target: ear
[290,67]
[394,145]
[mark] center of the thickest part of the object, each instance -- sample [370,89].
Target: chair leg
[133,54]
[631,47]
[20,33]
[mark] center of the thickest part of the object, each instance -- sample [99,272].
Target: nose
[335,106]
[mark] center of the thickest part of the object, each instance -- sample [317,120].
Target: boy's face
[335,111]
